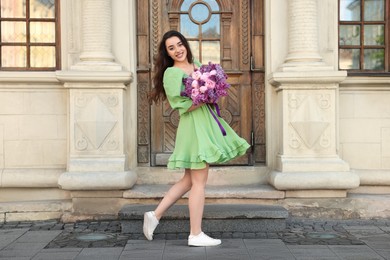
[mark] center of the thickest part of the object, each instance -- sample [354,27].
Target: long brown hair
[162,62]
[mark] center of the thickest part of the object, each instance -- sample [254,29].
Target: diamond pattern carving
[308,122]
[96,122]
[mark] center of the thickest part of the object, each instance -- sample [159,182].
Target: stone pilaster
[307,91]
[97,158]
[96,37]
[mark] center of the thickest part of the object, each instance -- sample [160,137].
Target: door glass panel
[374,10]
[13,32]
[374,35]
[349,59]
[350,10]
[194,45]
[42,8]
[210,30]
[188,28]
[13,8]
[13,56]
[374,59]
[210,51]
[349,35]
[200,13]
[42,32]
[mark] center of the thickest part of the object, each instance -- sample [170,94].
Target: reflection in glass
[211,29]
[374,35]
[213,4]
[187,27]
[42,32]
[42,8]
[194,45]
[13,32]
[13,8]
[13,56]
[350,10]
[211,52]
[374,59]
[43,56]
[200,13]
[374,10]
[186,5]
[349,34]
[349,59]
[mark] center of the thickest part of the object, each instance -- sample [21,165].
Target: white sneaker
[203,240]
[150,224]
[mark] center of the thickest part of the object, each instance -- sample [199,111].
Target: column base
[97,180]
[314,180]
[311,164]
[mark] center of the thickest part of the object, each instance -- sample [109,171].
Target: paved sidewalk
[302,239]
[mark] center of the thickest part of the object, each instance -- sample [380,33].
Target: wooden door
[228,32]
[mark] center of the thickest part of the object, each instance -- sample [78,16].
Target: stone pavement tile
[39,236]
[139,245]
[385,253]
[363,231]
[378,242]
[312,251]
[15,258]
[7,236]
[112,253]
[229,249]
[268,249]
[19,253]
[30,246]
[57,254]
[360,252]
[179,249]
[141,255]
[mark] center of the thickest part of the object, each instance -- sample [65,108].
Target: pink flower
[213,72]
[196,75]
[205,76]
[210,84]
[195,93]
[203,89]
[195,84]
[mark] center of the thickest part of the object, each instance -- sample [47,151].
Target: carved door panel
[221,31]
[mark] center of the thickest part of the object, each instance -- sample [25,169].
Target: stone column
[97,159]
[307,164]
[96,37]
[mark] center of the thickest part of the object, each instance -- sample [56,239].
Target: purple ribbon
[216,119]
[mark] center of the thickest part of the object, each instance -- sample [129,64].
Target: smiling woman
[29,35]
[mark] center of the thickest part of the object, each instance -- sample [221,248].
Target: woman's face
[176,49]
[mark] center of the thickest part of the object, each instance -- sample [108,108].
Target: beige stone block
[360,130]
[23,154]
[32,216]
[36,196]
[385,142]
[385,162]
[107,206]
[39,127]
[347,104]
[1,148]
[316,194]
[11,126]
[11,103]
[372,105]
[32,178]
[371,190]
[2,217]
[374,177]
[62,123]
[51,102]
[362,156]
[55,153]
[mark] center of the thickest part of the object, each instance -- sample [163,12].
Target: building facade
[78,139]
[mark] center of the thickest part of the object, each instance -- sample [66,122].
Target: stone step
[256,191]
[216,218]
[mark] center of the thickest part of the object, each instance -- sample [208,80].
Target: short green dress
[199,140]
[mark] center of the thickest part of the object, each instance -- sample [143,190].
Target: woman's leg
[197,199]
[175,192]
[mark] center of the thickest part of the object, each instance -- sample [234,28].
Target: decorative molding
[155,25]
[245,32]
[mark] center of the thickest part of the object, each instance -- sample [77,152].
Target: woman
[199,140]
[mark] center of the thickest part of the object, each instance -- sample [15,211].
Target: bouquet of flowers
[206,84]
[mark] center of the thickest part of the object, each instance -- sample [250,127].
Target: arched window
[29,35]
[200,23]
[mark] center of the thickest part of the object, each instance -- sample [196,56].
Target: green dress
[199,139]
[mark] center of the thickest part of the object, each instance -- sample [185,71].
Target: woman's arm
[193,107]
